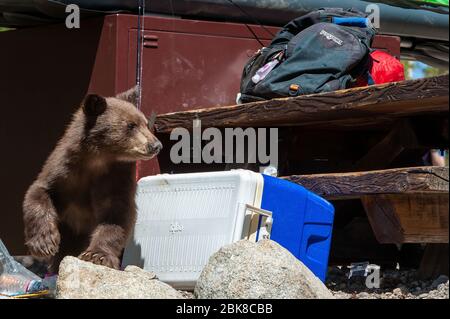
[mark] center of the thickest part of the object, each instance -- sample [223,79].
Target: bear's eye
[132,126]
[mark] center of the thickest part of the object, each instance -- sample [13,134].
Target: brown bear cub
[82,203]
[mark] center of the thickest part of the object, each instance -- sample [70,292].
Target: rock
[187,294]
[83,280]
[411,288]
[397,291]
[258,271]
[439,281]
[363,295]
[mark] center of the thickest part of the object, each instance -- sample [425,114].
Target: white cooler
[183,219]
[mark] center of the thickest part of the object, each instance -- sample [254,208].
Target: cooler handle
[265,229]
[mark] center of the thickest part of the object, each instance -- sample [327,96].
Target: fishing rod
[140,46]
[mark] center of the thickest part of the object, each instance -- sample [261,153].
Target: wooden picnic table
[355,107]
[365,143]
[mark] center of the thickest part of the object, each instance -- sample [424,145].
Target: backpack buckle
[294,89]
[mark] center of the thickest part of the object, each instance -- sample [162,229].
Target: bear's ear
[94,105]
[130,96]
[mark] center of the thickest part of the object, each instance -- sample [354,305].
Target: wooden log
[349,107]
[393,181]
[408,218]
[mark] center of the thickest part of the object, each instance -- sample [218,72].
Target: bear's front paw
[44,242]
[101,258]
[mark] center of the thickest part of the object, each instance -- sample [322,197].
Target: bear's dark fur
[82,203]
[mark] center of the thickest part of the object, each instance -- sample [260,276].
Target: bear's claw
[45,243]
[101,258]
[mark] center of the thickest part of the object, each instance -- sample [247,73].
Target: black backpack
[323,51]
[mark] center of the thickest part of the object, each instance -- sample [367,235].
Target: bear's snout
[154,148]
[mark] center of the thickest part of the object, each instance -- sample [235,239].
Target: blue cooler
[183,219]
[302,222]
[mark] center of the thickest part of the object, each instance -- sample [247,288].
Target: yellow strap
[38,294]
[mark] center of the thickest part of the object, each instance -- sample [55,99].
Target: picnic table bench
[404,204]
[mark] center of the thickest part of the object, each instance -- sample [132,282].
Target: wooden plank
[392,181]
[408,218]
[366,104]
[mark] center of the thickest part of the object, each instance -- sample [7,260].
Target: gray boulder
[82,280]
[439,281]
[258,271]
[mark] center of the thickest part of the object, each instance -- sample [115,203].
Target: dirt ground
[394,284]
